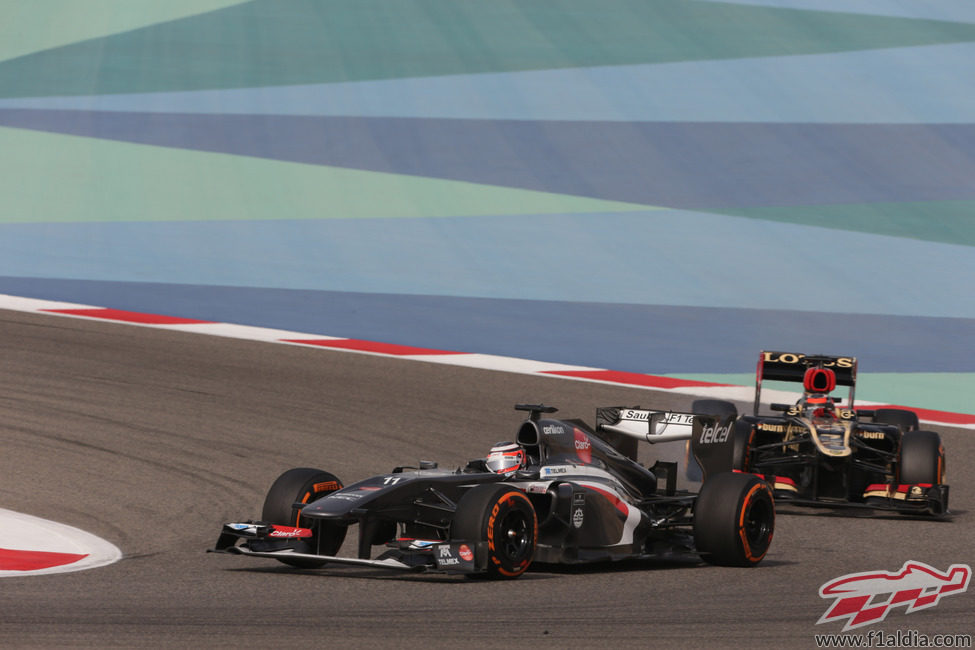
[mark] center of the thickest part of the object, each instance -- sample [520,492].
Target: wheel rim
[515,535]
[757,523]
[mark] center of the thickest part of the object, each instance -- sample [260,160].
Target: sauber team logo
[288,532]
[866,598]
[583,446]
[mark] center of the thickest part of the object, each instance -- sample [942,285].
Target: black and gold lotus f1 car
[563,492]
[821,451]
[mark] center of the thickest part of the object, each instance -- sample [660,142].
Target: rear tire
[297,486]
[734,519]
[503,517]
[922,458]
[902,418]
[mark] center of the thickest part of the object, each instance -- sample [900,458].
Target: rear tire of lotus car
[902,418]
[503,517]
[734,518]
[922,458]
[304,485]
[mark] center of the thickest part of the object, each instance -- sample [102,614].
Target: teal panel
[950,222]
[99,180]
[28,27]
[280,42]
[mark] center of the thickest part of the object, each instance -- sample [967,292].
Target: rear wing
[645,424]
[792,366]
[710,436]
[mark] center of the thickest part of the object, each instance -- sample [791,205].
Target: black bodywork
[845,457]
[591,502]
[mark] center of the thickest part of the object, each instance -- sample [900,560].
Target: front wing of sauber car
[397,496]
[259,539]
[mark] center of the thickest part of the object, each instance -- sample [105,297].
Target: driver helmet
[506,457]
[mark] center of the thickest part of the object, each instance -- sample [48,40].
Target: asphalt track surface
[151,439]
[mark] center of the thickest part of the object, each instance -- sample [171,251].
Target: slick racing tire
[304,485]
[503,517]
[922,458]
[902,418]
[742,437]
[734,518]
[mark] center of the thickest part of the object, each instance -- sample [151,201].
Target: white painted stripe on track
[472,360]
[494,362]
[16,303]
[247,332]
[33,535]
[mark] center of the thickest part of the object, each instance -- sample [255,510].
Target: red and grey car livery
[819,451]
[581,498]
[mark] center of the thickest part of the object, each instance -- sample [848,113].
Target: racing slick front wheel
[734,518]
[902,418]
[298,486]
[503,517]
[922,458]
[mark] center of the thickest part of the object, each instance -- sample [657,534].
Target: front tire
[741,445]
[922,458]
[298,486]
[901,418]
[503,517]
[734,518]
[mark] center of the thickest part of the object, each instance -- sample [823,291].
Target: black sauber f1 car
[817,452]
[563,492]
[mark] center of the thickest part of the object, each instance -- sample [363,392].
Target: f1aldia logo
[866,598]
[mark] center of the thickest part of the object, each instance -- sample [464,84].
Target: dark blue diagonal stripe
[656,339]
[687,165]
